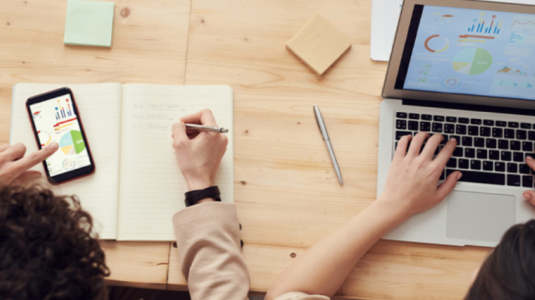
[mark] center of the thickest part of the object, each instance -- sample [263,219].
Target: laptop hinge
[493,109]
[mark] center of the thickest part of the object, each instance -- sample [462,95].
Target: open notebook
[137,185]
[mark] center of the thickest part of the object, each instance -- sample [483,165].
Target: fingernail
[527,197]
[529,158]
[459,176]
[54,146]
[453,140]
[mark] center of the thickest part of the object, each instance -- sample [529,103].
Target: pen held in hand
[206,128]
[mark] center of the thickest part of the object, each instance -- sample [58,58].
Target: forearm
[325,266]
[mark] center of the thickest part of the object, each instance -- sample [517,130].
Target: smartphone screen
[55,118]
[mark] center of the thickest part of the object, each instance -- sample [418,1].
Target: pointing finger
[36,157]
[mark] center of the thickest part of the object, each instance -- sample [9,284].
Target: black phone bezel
[74,173]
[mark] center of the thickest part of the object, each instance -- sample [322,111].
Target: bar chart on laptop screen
[467,51]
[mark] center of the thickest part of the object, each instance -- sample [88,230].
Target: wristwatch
[192,197]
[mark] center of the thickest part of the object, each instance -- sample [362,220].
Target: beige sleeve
[301,296]
[208,241]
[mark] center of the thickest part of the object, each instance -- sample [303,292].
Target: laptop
[465,69]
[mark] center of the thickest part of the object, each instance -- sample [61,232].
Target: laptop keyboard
[488,151]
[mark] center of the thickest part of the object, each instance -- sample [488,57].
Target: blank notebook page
[99,107]
[151,185]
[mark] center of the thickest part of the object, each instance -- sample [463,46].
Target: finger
[4,147]
[401,150]
[530,196]
[14,152]
[180,135]
[416,144]
[26,176]
[36,157]
[531,162]
[445,154]
[432,145]
[447,186]
[204,117]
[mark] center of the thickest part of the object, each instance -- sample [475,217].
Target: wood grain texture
[286,190]
[149,46]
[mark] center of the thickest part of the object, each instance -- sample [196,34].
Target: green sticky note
[89,23]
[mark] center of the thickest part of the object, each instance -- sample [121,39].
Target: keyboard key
[463,163]
[521,134]
[401,115]
[451,119]
[461,129]
[515,145]
[527,181]
[494,155]
[513,124]
[512,168]
[523,169]
[457,138]
[437,127]
[480,177]
[425,126]
[506,156]
[509,133]
[482,153]
[484,131]
[488,166]
[488,122]
[501,123]
[527,146]
[458,152]
[479,142]
[518,156]
[467,141]
[475,121]
[513,180]
[531,135]
[427,117]
[497,132]
[438,118]
[442,176]
[464,120]
[473,130]
[469,152]
[414,116]
[499,166]
[400,134]
[449,128]
[525,125]
[445,140]
[452,163]
[491,143]
[401,124]
[503,144]
[475,165]
[413,125]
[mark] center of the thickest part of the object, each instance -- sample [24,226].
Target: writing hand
[14,166]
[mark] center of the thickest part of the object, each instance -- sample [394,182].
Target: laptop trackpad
[479,216]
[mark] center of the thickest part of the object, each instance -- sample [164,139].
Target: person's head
[509,270]
[47,250]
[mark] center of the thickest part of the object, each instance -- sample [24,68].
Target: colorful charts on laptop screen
[472,61]
[72,143]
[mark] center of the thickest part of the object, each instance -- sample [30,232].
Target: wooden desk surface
[286,190]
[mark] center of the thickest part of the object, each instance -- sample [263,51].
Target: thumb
[530,196]
[447,186]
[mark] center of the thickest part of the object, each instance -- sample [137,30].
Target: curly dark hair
[47,249]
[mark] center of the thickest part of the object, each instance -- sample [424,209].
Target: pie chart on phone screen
[72,143]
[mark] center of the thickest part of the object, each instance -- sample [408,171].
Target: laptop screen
[468,51]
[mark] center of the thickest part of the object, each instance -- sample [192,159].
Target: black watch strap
[192,197]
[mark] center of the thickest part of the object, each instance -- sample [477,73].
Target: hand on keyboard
[530,194]
[412,183]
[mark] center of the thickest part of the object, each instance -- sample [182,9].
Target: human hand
[530,194]
[14,166]
[411,186]
[198,153]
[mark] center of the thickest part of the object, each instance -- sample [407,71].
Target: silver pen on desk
[325,135]
[206,128]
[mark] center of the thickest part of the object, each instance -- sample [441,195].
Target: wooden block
[319,44]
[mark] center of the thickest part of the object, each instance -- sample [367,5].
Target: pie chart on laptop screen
[472,61]
[72,142]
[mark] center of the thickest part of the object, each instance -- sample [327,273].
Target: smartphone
[55,118]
